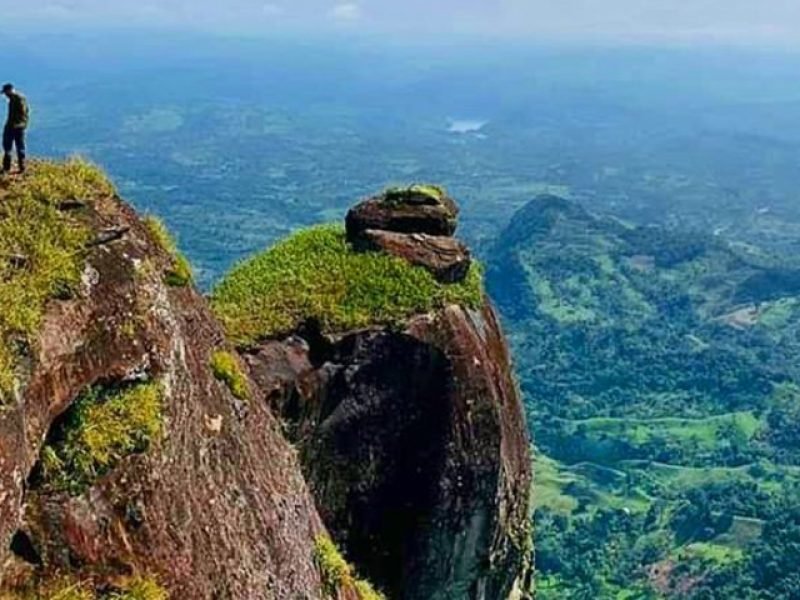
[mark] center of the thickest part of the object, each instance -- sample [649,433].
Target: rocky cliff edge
[150,448]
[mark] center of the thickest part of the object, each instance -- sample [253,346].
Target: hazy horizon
[740,22]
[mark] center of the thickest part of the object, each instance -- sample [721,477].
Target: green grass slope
[314,275]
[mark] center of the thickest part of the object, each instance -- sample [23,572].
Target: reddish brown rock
[411,213]
[212,512]
[446,258]
[415,446]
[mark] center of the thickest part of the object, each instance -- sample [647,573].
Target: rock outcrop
[413,441]
[447,258]
[417,209]
[416,224]
[135,442]
[216,508]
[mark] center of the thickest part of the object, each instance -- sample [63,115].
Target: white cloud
[348,11]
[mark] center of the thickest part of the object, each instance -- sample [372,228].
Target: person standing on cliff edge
[14,132]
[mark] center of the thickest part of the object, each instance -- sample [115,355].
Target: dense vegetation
[662,376]
[41,249]
[314,275]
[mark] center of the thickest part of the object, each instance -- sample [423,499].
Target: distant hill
[660,370]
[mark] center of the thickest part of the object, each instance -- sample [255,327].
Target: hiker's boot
[6,163]
[21,162]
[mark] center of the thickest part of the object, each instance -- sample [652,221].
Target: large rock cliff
[411,434]
[140,453]
[412,445]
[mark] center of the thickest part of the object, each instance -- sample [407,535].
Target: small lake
[466,125]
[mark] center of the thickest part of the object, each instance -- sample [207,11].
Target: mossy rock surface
[417,208]
[180,272]
[337,573]
[100,429]
[136,587]
[226,369]
[418,193]
[315,275]
[42,249]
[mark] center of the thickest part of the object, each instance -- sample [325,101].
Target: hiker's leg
[8,144]
[19,141]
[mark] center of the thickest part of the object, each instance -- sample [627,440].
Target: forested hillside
[661,371]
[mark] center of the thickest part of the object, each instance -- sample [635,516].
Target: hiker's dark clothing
[17,111]
[14,131]
[13,136]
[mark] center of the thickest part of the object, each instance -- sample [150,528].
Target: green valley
[660,369]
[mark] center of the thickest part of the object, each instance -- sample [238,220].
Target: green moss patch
[366,591]
[401,194]
[337,573]
[180,272]
[42,249]
[100,429]
[55,182]
[226,368]
[316,275]
[58,588]
[138,587]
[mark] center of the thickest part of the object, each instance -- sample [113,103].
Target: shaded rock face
[415,447]
[447,258]
[218,508]
[405,213]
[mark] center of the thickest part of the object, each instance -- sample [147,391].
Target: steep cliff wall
[411,429]
[202,493]
[413,447]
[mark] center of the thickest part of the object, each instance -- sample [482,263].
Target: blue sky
[739,21]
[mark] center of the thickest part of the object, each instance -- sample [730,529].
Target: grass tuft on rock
[74,179]
[226,369]
[138,587]
[101,428]
[42,249]
[180,272]
[366,591]
[56,588]
[337,573]
[316,275]
[401,194]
